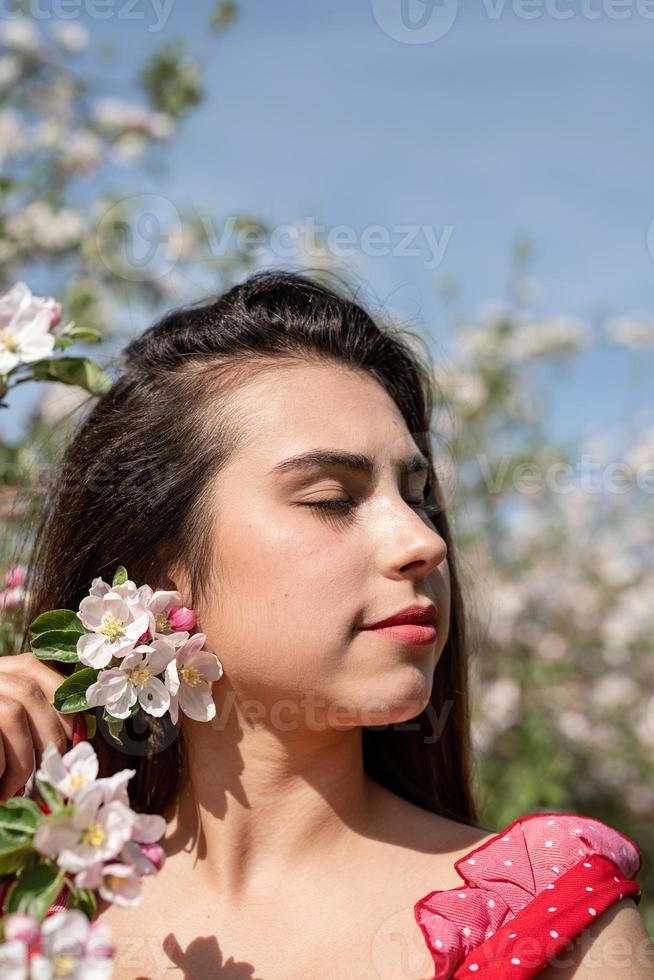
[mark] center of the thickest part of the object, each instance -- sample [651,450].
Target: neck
[259,804]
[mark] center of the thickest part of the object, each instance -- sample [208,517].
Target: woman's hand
[28,721]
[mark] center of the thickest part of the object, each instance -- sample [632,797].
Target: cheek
[292,565]
[285,598]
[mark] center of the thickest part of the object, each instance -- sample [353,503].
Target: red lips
[412,614]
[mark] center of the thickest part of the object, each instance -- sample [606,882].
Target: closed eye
[349,505]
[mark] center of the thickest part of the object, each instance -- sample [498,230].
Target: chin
[398,700]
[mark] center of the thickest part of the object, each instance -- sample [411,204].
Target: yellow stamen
[79,779]
[139,676]
[190,676]
[112,627]
[94,834]
[115,882]
[161,624]
[64,965]
[9,342]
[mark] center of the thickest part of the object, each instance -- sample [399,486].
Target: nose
[414,546]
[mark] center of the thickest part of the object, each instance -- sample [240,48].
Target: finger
[44,721]
[28,666]
[18,747]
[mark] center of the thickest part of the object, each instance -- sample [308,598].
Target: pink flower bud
[182,619]
[155,854]
[11,598]
[54,310]
[15,577]
[144,637]
[22,927]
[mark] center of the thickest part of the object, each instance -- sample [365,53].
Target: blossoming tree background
[556,540]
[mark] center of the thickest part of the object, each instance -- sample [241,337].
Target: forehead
[295,408]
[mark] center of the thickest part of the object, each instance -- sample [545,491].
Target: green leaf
[71,695]
[73,371]
[57,619]
[115,725]
[51,796]
[63,656]
[120,576]
[172,80]
[82,333]
[57,645]
[61,342]
[20,815]
[83,899]
[91,724]
[224,14]
[35,890]
[14,854]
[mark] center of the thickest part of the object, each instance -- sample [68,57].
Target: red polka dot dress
[526,893]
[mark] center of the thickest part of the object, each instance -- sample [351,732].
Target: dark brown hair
[129,491]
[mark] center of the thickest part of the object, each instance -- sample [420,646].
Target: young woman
[268,456]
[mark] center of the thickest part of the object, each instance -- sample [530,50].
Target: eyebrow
[358,462]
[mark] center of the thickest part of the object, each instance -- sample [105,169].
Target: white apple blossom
[14,137]
[10,68]
[134,679]
[39,225]
[115,624]
[560,334]
[188,678]
[115,115]
[81,152]
[115,787]
[95,831]
[129,148]
[69,773]
[161,125]
[163,607]
[635,330]
[25,327]
[14,959]
[116,882]
[74,948]
[72,37]
[20,35]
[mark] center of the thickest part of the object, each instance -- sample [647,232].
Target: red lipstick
[413,625]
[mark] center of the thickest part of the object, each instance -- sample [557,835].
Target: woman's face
[293,584]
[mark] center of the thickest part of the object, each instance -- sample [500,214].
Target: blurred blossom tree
[557,547]
[64,141]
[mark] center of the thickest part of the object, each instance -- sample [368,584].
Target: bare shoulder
[616,944]
[428,840]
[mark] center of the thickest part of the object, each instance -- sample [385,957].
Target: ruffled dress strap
[527,892]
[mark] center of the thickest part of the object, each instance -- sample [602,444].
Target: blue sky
[504,126]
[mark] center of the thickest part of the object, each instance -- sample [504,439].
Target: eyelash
[347,505]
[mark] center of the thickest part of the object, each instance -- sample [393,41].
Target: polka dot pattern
[509,884]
